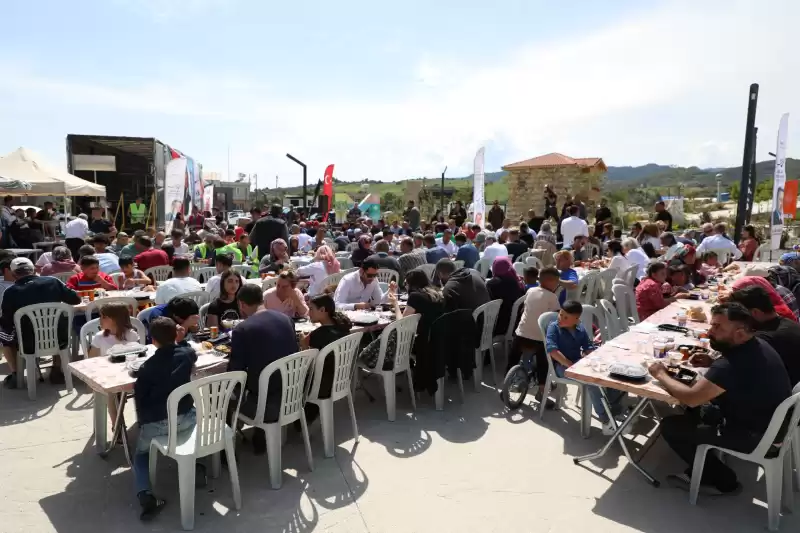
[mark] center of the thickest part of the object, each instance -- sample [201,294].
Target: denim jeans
[614,396]
[141,458]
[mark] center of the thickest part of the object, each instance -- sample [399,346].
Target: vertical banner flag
[779,183]
[174,182]
[208,198]
[478,202]
[327,190]
[790,199]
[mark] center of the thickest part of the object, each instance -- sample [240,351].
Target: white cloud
[667,85]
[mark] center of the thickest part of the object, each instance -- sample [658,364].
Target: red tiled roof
[556,160]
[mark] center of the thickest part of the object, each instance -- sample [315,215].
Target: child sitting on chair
[133,276]
[169,368]
[710,266]
[530,275]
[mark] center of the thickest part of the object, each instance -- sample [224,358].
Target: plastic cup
[130,357]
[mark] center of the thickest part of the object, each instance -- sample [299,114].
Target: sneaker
[683,481]
[11,381]
[609,429]
[550,404]
[151,506]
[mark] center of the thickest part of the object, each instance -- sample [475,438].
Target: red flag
[327,190]
[790,198]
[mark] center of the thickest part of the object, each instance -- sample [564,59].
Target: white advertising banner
[208,198]
[779,183]
[477,192]
[174,182]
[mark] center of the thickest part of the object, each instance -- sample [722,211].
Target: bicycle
[518,380]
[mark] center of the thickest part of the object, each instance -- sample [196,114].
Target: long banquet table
[625,349]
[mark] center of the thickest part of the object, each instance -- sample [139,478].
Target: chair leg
[307,441]
[796,455]
[65,370]
[352,416]
[494,366]
[697,473]
[788,484]
[390,390]
[411,390]
[326,420]
[545,395]
[216,464]
[186,474]
[460,384]
[233,468]
[30,368]
[274,454]
[773,472]
[477,375]
[152,465]
[20,370]
[439,397]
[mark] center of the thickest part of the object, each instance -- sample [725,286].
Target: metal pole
[747,157]
[305,179]
[441,202]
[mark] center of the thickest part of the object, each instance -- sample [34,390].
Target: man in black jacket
[383,258]
[267,229]
[463,289]
[29,289]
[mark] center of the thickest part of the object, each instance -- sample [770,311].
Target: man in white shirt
[303,239]
[109,262]
[223,263]
[573,225]
[181,282]
[359,289]
[446,242]
[75,233]
[494,249]
[719,242]
[636,256]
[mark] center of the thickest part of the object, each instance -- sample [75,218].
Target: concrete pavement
[473,467]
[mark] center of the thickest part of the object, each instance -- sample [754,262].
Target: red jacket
[151,258]
[78,282]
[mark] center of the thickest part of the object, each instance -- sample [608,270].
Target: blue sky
[394,90]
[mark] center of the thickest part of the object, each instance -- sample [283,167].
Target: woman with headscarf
[687,255]
[777,301]
[504,285]
[324,265]
[277,259]
[545,234]
[363,251]
[61,261]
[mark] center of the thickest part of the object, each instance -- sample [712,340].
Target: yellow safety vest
[137,213]
[203,250]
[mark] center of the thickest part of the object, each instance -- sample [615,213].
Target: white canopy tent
[23,165]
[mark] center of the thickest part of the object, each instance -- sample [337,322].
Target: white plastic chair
[352,246]
[519,268]
[203,315]
[605,279]
[406,329]
[534,261]
[625,301]
[629,276]
[612,319]
[592,250]
[200,297]
[63,276]
[92,327]
[458,263]
[345,263]
[44,318]
[506,339]
[430,270]
[341,255]
[268,283]
[483,266]
[762,252]
[387,275]
[592,314]
[203,273]
[159,273]
[293,370]
[522,257]
[777,470]
[243,270]
[343,352]
[587,288]
[332,279]
[94,306]
[489,310]
[544,321]
[210,436]
[119,279]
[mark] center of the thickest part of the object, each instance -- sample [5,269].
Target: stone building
[582,177]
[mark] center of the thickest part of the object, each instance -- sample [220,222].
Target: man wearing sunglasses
[360,289]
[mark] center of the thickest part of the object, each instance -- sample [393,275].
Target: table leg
[100,422]
[617,437]
[120,429]
[586,412]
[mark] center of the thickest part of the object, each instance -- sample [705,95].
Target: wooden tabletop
[625,349]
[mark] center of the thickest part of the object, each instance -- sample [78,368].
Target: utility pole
[441,202]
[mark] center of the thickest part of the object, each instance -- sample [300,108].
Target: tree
[391,202]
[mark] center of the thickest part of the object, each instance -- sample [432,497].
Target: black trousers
[684,433]
[74,245]
[520,345]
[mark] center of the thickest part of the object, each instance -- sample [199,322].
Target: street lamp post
[441,201]
[305,180]
[719,182]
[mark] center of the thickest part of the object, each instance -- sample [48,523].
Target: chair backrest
[119,279]
[268,283]
[345,263]
[430,270]
[534,261]
[344,352]
[44,319]
[483,266]
[592,250]
[629,276]
[762,252]
[406,329]
[387,275]
[587,287]
[92,327]
[605,281]
[94,306]
[514,317]
[243,270]
[779,418]
[612,319]
[203,273]
[489,310]
[545,319]
[544,252]
[203,315]
[293,369]
[200,297]
[212,396]
[341,255]
[332,279]
[590,315]
[63,276]
[519,268]
[352,246]
[328,241]
[625,301]
[522,257]
[159,273]
[458,263]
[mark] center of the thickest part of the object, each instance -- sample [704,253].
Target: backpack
[785,276]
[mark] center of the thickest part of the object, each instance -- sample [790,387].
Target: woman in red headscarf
[504,285]
[780,306]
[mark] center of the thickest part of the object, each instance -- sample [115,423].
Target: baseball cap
[22,265]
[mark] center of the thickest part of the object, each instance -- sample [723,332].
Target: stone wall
[526,187]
